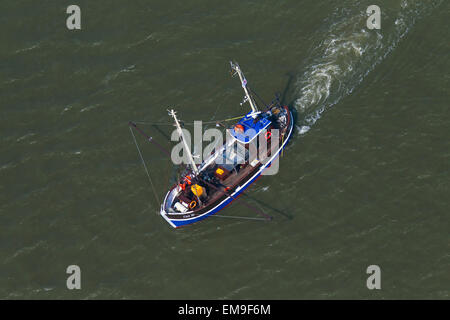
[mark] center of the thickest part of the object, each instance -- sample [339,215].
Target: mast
[180,132]
[237,69]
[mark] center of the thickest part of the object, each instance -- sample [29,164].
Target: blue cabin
[248,128]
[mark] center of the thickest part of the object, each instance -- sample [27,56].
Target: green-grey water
[364,180]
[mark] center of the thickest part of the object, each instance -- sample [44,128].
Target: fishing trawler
[205,189]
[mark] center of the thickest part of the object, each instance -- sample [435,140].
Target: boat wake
[349,51]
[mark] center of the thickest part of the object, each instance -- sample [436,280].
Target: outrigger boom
[172,113]
[238,71]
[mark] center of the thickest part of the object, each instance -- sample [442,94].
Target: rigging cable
[185,123]
[237,217]
[145,167]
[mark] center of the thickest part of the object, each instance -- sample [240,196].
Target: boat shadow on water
[268,206]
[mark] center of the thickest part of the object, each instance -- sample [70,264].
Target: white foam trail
[348,53]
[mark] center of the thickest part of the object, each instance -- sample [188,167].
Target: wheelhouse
[249,127]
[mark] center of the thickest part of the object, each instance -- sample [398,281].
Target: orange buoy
[187,179]
[193,204]
[239,128]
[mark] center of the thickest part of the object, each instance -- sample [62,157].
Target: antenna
[237,70]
